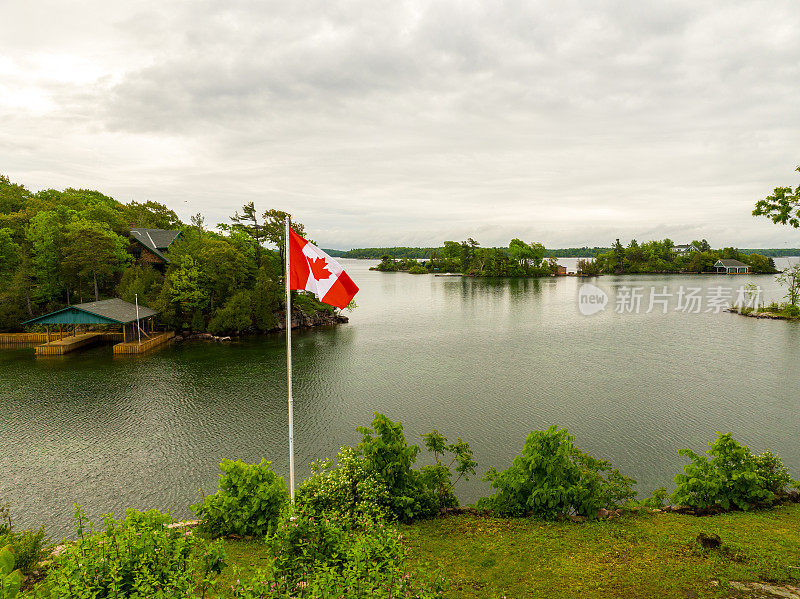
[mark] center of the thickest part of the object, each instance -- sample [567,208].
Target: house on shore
[731,267]
[685,249]
[148,245]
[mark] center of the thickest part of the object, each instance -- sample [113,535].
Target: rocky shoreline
[762,315]
[300,320]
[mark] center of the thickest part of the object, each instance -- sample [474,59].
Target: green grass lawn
[636,556]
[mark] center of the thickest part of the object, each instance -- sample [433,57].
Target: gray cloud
[412,122]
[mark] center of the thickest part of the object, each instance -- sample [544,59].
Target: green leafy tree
[234,316]
[618,257]
[523,254]
[92,249]
[247,223]
[151,215]
[223,268]
[265,300]
[141,280]
[46,236]
[9,256]
[185,289]
[274,229]
[782,207]
[13,198]
[760,264]
[791,278]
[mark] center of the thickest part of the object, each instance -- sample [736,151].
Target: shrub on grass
[412,493]
[322,558]
[139,556]
[28,546]
[348,493]
[552,477]
[10,579]
[733,478]
[248,502]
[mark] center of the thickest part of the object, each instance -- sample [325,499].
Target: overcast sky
[408,123]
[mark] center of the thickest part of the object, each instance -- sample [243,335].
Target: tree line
[663,257]
[65,247]
[519,259]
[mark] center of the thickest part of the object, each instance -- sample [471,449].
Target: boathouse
[106,312]
[731,267]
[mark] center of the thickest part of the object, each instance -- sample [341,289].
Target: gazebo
[108,312]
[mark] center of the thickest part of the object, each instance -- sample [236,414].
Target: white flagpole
[289,362]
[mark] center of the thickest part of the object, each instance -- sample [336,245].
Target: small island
[521,259]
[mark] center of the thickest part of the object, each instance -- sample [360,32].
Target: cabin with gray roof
[106,312]
[731,267]
[149,245]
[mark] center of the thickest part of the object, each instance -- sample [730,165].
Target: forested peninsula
[59,248]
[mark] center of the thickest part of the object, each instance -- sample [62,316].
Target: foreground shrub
[412,493]
[10,579]
[437,478]
[348,493]
[248,502]
[323,558]
[28,546]
[733,478]
[137,557]
[552,477]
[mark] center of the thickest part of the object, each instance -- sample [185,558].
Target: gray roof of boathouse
[110,311]
[728,262]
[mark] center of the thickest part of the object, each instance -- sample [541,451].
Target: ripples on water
[484,360]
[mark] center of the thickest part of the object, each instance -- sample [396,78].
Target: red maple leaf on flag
[319,269]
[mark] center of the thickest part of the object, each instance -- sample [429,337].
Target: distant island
[574,252]
[521,259]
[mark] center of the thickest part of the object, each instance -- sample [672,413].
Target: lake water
[484,360]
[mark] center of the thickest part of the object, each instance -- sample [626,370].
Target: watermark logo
[688,300]
[591,299]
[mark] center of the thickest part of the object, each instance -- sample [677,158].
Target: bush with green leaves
[733,478]
[248,502]
[29,546]
[321,558]
[552,478]
[138,557]
[10,579]
[412,493]
[348,493]
[388,455]
[437,478]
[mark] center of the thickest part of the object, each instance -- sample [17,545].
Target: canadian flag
[315,271]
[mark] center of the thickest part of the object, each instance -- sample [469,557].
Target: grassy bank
[635,556]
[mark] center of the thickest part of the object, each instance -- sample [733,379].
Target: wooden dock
[69,344]
[144,346]
[12,338]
